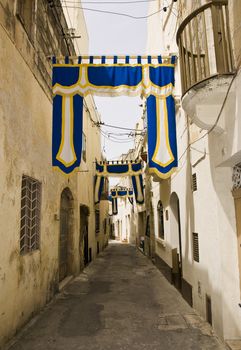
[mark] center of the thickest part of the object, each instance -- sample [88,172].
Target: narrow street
[121,301]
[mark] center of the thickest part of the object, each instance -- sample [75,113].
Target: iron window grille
[30,215]
[195,246]
[236,177]
[194,182]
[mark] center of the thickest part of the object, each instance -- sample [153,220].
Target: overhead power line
[116,13]
[112,2]
[118,127]
[113,140]
[216,121]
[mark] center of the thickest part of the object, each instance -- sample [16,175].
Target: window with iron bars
[194,182]
[30,215]
[195,246]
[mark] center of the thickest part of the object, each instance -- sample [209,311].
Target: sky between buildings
[117,35]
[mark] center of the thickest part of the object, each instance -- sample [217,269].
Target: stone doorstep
[65,282]
[234,344]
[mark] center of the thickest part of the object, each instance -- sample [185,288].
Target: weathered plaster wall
[27,282]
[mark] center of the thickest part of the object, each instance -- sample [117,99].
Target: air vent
[194,182]
[195,246]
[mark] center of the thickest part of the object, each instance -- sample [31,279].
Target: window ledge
[161,242]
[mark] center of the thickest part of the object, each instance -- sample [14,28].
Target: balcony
[206,62]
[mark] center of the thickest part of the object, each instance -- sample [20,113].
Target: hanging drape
[132,169]
[71,82]
[120,193]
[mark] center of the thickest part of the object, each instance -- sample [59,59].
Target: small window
[194,182]
[97,221]
[25,11]
[195,246]
[84,147]
[160,214]
[30,215]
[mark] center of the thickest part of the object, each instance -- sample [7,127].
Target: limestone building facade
[50,227]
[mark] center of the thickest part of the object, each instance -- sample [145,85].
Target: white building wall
[209,211]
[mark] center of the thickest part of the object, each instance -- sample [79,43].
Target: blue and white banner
[161,131]
[120,169]
[99,184]
[71,82]
[138,187]
[67,132]
[121,192]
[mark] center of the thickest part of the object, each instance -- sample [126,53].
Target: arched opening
[176,242]
[84,249]
[66,234]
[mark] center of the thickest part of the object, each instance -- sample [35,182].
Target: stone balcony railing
[206,61]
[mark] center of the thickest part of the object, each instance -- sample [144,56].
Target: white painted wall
[210,210]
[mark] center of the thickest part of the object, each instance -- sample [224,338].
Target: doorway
[141,230]
[84,236]
[65,241]
[176,241]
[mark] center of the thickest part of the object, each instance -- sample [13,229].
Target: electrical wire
[125,134]
[118,127]
[92,120]
[216,122]
[116,138]
[114,13]
[115,141]
[62,29]
[71,24]
[100,124]
[112,2]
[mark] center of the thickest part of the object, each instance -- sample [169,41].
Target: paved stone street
[120,302]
